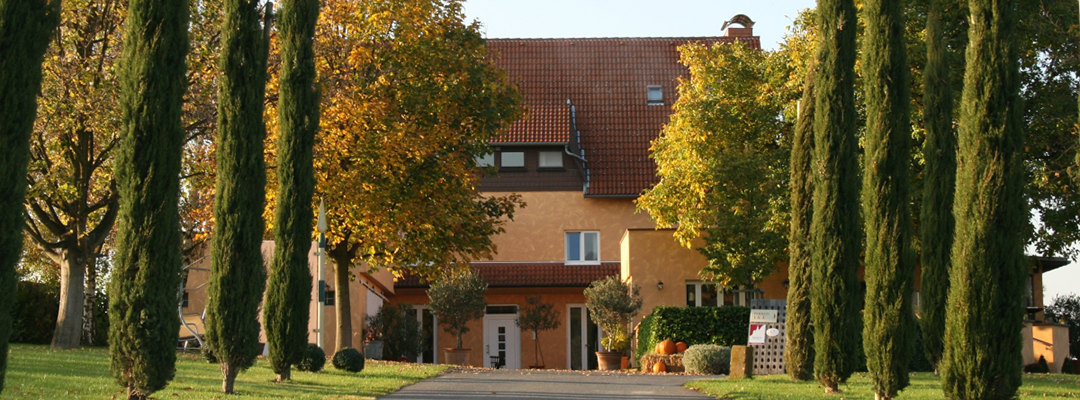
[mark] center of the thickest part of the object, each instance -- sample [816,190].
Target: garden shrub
[348,359]
[724,326]
[1067,367]
[314,359]
[708,359]
[33,316]
[397,327]
[1040,366]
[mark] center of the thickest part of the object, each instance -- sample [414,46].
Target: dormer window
[655,95]
[513,159]
[486,160]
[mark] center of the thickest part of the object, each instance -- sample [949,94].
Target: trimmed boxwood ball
[348,359]
[708,359]
[314,359]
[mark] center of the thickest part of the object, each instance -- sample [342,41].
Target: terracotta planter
[609,360]
[457,356]
[625,364]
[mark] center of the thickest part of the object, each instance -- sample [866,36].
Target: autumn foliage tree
[722,163]
[25,28]
[409,99]
[238,274]
[73,199]
[142,308]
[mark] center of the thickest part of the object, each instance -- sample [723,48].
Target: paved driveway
[560,385]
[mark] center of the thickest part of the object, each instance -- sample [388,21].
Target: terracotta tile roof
[530,274]
[605,79]
[542,124]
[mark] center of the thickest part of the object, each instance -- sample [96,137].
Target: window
[700,294]
[655,95]
[513,159]
[485,160]
[583,247]
[330,297]
[550,159]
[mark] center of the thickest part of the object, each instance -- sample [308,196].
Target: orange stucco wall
[652,256]
[537,231]
[553,343]
[1049,340]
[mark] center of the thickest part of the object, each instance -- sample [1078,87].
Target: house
[579,161]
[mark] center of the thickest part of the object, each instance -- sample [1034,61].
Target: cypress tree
[939,177]
[25,29]
[835,233]
[238,275]
[799,352]
[984,315]
[890,262]
[142,308]
[288,293]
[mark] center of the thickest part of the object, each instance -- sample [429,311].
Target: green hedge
[724,326]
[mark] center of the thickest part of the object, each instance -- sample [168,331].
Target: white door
[502,337]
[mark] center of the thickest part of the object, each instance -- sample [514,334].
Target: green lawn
[36,372]
[923,386]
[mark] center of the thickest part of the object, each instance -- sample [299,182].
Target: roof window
[655,95]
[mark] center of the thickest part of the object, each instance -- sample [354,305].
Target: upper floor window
[485,160]
[699,294]
[513,159]
[656,94]
[583,247]
[551,159]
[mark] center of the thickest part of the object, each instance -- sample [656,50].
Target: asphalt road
[558,385]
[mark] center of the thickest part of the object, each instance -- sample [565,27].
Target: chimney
[746,30]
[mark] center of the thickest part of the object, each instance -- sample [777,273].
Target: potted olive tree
[537,317]
[456,300]
[612,304]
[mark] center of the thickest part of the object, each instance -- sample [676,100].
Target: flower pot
[625,363]
[373,349]
[457,356]
[609,360]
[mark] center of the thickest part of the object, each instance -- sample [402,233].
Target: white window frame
[581,249]
[698,285]
[654,101]
[486,160]
[556,162]
[502,159]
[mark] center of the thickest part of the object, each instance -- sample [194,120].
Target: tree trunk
[285,375]
[228,375]
[72,296]
[342,306]
[133,394]
[89,327]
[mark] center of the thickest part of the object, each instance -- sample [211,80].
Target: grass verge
[36,372]
[924,385]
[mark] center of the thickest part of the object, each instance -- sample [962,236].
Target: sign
[766,316]
[757,333]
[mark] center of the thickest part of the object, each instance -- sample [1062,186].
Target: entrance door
[583,338]
[502,338]
[429,333]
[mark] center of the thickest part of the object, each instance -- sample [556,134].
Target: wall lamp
[660,285]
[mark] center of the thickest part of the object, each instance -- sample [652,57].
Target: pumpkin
[666,347]
[680,347]
[659,367]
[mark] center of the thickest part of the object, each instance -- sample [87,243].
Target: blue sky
[640,18]
[630,18]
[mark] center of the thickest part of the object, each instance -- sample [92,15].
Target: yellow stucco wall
[537,231]
[1049,340]
[651,256]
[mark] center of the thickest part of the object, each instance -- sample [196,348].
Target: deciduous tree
[288,294]
[238,274]
[142,310]
[25,28]
[73,200]
[722,161]
[457,299]
[982,358]
[409,99]
[836,235]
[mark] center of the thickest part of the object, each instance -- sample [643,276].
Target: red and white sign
[757,333]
